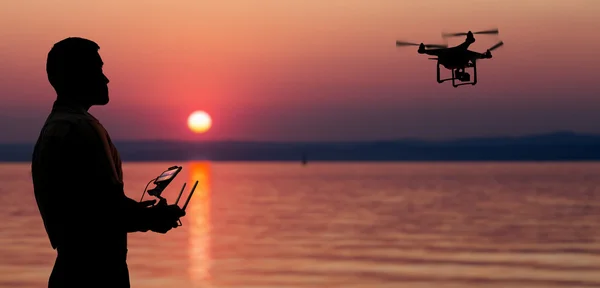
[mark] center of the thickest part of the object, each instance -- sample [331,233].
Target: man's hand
[147,203]
[164,217]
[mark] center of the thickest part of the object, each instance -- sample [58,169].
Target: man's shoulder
[61,126]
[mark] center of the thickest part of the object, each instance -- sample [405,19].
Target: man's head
[74,69]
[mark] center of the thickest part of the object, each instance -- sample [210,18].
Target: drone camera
[463,76]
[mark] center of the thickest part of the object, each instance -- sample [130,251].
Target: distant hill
[559,146]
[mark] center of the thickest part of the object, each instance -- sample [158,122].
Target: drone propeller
[492,31]
[496,46]
[488,53]
[401,43]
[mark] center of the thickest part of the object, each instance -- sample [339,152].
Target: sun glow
[199,122]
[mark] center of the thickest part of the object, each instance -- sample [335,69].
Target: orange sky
[308,69]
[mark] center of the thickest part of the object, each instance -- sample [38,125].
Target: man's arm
[93,179]
[137,217]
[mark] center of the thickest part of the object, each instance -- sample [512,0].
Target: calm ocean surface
[344,225]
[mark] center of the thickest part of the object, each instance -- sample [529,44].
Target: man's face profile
[96,82]
[90,80]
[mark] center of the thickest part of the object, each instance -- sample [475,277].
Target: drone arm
[480,55]
[465,45]
[476,55]
[432,52]
[486,55]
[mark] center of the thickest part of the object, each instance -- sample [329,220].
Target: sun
[199,122]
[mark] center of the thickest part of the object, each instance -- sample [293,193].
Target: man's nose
[106,79]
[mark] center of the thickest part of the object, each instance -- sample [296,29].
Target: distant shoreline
[553,147]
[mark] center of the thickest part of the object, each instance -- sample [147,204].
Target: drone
[457,58]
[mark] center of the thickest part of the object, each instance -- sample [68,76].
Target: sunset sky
[308,70]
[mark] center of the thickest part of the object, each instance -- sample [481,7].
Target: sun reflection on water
[199,224]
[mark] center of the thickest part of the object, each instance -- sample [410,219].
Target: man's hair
[65,57]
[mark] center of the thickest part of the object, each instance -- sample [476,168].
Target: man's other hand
[165,217]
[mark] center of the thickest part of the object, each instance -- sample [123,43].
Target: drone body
[457,58]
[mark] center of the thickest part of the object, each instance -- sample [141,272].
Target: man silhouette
[78,180]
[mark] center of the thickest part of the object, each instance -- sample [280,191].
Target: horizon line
[414,139]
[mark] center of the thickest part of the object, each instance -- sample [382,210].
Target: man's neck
[64,102]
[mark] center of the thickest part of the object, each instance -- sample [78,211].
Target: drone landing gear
[459,75]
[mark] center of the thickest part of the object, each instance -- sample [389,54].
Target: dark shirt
[78,186]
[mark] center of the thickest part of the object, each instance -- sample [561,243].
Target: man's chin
[102,101]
